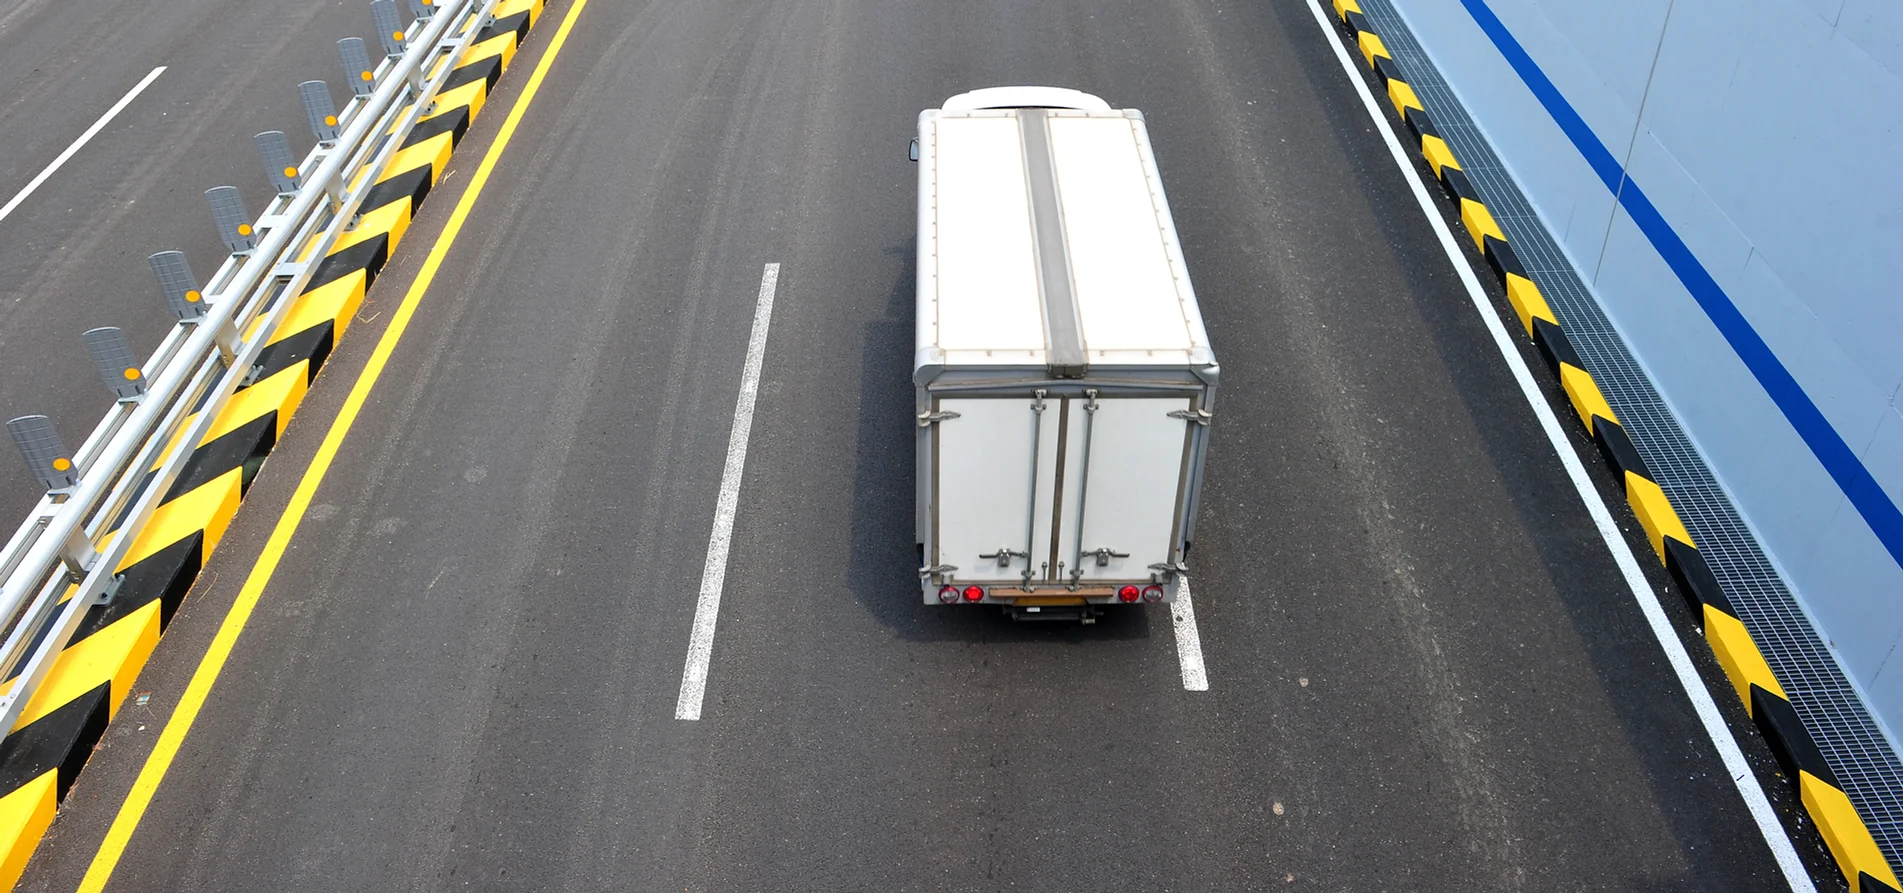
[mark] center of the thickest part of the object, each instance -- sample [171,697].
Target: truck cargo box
[1064,380]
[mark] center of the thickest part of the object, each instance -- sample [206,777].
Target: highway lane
[1424,671]
[73,254]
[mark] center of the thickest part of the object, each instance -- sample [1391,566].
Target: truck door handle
[1104,554]
[1004,555]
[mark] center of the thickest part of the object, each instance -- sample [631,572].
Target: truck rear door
[1123,485]
[996,463]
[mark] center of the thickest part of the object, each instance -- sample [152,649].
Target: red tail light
[1128,594]
[974,593]
[1152,593]
[948,594]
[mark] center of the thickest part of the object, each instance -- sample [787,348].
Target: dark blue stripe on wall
[1836,456]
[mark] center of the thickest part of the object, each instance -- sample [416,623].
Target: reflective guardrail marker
[228,214]
[357,68]
[279,164]
[389,27]
[320,111]
[46,455]
[118,368]
[178,285]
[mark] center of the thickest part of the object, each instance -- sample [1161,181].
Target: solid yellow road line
[209,667]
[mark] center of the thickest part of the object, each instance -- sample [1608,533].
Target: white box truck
[1064,380]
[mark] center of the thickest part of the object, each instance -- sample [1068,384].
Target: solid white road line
[84,138]
[700,647]
[1189,644]
[1648,601]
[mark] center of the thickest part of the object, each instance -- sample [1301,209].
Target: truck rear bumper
[1049,597]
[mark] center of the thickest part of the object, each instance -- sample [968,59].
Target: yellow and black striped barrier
[1844,832]
[43,753]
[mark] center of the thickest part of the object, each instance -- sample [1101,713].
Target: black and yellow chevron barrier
[43,753]
[1843,830]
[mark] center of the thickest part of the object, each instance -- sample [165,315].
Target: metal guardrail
[123,470]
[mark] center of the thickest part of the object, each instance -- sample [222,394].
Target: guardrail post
[118,368]
[422,10]
[177,285]
[357,68]
[228,214]
[320,111]
[274,148]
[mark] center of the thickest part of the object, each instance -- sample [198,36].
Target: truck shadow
[884,573]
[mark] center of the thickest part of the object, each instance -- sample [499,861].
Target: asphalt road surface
[1424,670]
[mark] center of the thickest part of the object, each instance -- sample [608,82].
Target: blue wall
[1766,133]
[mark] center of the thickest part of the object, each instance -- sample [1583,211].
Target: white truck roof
[1045,240]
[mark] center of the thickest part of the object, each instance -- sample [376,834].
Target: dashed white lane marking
[1189,644]
[700,647]
[1707,710]
[84,138]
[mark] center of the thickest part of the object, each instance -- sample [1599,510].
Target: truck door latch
[1104,555]
[1004,555]
[925,419]
[1199,416]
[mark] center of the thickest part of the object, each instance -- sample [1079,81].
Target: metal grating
[1867,767]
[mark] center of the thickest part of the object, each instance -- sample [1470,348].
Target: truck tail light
[948,594]
[1152,593]
[974,593]
[1127,594]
